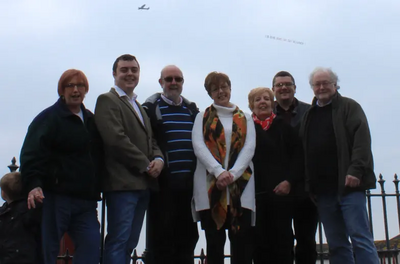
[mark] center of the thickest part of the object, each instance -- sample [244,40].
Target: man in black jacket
[19,226]
[305,217]
[339,169]
[171,233]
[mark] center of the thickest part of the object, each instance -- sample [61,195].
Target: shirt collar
[170,102]
[122,93]
[324,104]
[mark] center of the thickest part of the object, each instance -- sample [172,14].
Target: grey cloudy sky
[41,39]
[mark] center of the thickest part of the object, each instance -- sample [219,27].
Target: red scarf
[266,123]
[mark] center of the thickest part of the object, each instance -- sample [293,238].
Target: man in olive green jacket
[132,158]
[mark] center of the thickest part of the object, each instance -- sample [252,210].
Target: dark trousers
[76,216]
[273,236]
[240,241]
[171,233]
[305,221]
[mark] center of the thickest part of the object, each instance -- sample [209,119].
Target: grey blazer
[128,144]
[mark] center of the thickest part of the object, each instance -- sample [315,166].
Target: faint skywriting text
[285,39]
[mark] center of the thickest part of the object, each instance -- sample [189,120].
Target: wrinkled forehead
[322,76]
[172,71]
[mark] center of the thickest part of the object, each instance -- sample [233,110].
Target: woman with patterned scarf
[224,142]
[277,149]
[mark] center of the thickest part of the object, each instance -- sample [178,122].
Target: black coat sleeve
[35,153]
[294,150]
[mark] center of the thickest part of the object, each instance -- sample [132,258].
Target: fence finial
[396,183]
[382,183]
[13,166]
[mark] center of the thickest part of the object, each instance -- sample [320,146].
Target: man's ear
[294,88]
[114,73]
[160,82]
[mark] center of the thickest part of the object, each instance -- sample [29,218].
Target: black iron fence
[388,250]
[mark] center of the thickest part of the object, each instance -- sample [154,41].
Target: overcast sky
[359,39]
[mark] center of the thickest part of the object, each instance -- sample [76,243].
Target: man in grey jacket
[339,169]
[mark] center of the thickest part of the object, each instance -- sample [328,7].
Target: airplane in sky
[143,7]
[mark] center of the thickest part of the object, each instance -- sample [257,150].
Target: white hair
[333,75]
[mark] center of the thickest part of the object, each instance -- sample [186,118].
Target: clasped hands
[223,180]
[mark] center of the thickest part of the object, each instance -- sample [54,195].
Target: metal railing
[388,250]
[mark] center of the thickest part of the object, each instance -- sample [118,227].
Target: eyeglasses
[216,88]
[324,84]
[77,85]
[170,79]
[287,84]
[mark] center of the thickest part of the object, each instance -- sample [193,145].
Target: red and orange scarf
[265,124]
[214,137]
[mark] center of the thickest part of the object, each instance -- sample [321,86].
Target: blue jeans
[78,218]
[343,217]
[125,214]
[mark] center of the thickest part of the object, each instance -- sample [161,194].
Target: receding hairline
[170,67]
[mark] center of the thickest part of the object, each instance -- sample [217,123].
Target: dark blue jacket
[62,154]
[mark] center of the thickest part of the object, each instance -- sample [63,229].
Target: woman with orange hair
[60,161]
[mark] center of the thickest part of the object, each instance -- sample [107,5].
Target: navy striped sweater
[178,124]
